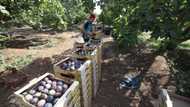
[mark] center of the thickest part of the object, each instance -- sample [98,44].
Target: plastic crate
[73,92]
[82,74]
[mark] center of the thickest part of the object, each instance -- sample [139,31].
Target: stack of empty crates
[70,97]
[83,74]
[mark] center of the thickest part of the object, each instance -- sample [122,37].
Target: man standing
[87,29]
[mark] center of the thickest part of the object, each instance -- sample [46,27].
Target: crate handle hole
[68,76]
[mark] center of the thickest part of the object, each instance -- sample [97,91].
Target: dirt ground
[65,41]
[11,80]
[114,66]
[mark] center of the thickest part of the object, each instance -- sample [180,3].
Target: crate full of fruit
[88,53]
[80,70]
[96,63]
[48,91]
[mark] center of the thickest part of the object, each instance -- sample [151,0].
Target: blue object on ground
[130,83]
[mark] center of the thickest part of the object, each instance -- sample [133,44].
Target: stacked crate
[93,56]
[99,61]
[70,98]
[97,72]
[83,74]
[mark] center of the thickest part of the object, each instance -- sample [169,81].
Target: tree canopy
[56,14]
[167,19]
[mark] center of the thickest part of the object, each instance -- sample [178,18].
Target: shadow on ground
[16,79]
[114,66]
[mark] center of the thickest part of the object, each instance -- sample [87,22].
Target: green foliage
[57,14]
[18,62]
[3,39]
[164,18]
[3,11]
[117,13]
[88,4]
[74,10]
[185,45]
[44,13]
[180,67]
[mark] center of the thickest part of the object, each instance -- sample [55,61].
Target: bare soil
[114,66]
[11,79]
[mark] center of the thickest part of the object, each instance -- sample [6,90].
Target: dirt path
[66,42]
[114,67]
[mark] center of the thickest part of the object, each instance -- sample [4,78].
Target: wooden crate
[100,61]
[83,75]
[89,56]
[94,57]
[97,67]
[73,92]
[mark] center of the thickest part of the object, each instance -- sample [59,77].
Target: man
[88,28]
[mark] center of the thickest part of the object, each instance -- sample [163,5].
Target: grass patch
[16,62]
[145,37]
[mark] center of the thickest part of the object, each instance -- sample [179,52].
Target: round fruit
[43,83]
[46,79]
[65,86]
[52,92]
[64,66]
[46,90]
[38,94]
[48,86]
[54,86]
[44,96]
[25,93]
[40,88]
[29,97]
[48,105]
[34,100]
[49,81]
[32,92]
[41,103]
[54,82]
[60,83]
[59,88]
[50,98]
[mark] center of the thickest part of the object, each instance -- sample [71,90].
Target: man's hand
[93,33]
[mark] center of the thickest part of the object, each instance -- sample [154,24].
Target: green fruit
[52,92]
